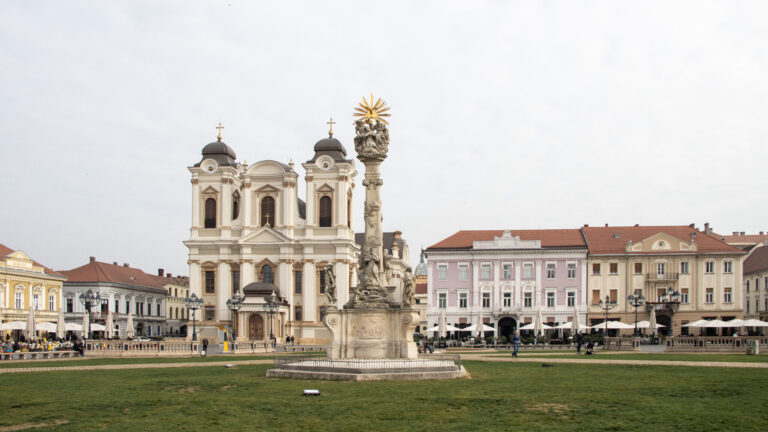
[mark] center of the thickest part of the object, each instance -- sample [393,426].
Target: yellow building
[703,271]
[25,282]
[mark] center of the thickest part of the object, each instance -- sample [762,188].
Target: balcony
[662,277]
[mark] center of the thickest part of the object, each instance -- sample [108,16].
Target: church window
[267,275]
[349,212]
[235,205]
[51,302]
[297,281]
[210,213]
[210,313]
[325,211]
[297,313]
[210,282]
[322,281]
[268,211]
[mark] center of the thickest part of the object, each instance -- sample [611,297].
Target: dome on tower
[219,151]
[421,269]
[332,147]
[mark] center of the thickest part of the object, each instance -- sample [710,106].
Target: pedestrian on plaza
[287,339]
[579,342]
[292,340]
[516,343]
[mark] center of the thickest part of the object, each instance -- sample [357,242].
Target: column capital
[193,261]
[287,260]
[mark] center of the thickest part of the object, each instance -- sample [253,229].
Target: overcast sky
[504,114]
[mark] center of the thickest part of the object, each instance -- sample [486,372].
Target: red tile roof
[757,262]
[96,271]
[603,240]
[5,251]
[548,237]
[746,238]
[421,288]
[176,280]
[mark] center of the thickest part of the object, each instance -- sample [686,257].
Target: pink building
[503,278]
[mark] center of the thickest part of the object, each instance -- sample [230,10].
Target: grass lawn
[127,360]
[651,356]
[500,396]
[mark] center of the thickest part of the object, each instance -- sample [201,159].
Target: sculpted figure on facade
[409,293]
[330,284]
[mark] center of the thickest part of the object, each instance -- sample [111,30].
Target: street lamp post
[671,300]
[89,299]
[608,305]
[193,303]
[270,307]
[636,300]
[234,304]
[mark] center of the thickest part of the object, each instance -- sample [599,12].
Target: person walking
[579,342]
[516,343]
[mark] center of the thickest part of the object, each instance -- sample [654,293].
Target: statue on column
[408,288]
[330,284]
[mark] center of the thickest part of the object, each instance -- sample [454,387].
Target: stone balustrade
[133,348]
[713,343]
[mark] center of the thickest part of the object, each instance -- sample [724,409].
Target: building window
[210,282]
[550,299]
[210,313]
[727,296]
[709,297]
[765,283]
[158,310]
[268,211]
[614,295]
[51,302]
[297,282]
[442,300]
[728,267]
[684,267]
[210,213]
[117,305]
[462,300]
[442,272]
[684,295]
[571,270]
[748,285]
[70,305]
[528,299]
[766,304]
[36,301]
[507,299]
[709,267]
[321,278]
[595,297]
[463,272]
[660,268]
[638,268]
[507,271]
[297,315]
[235,205]
[486,271]
[127,306]
[528,271]
[757,284]
[325,211]
[614,268]
[550,270]
[235,281]
[571,298]
[596,269]
[486,299]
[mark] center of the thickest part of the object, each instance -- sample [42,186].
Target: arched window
[36,301]
[349,212]
[268,211]
[267,275]
[210,213]
[325,211]
[235,205]
[51,302]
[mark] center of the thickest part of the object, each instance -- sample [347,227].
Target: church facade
[252,235]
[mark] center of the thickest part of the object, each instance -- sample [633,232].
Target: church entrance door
[255,327]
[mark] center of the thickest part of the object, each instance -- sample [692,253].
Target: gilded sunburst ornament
[371,111]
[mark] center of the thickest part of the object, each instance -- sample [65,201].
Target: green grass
[651,356]
[500,396]
[10,364]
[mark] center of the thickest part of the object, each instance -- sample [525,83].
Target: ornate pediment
[265,235]
[507,241]
[210,190]
[662,242]
[267,188]
[325,188]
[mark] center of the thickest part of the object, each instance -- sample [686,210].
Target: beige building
[175,303]
[705,271]
[756,283]
[24,283]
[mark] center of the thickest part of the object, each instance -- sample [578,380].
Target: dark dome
[332,147]
[264,288]
[220,152]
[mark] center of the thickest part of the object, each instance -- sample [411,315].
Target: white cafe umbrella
[716,323]
[98,327]
[652,322]
[73,327]
[575,325]
[441,325]
[735,323]
[754,323]
[13,325]
[647,324]
[110,326]
[613,325]
[129,326]
[570,326]
[30,330]
[47,327]
[699,323]
[532,326]
[85,327]
[538,330]
[60,327]
[432,330]
[481,327]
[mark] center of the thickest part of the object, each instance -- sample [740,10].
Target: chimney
[693,225]
[93,259]
[125,265]
[586,225]
[114,262]
[761,233]
[637,225]
[606,225]
[706,228]
[742,233]
[735,233]
[160,272]
[170,275]
[398,235]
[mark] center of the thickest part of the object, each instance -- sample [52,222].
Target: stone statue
[330,284]
[371,142]
[408,289]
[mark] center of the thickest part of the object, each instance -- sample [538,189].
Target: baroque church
[252,236]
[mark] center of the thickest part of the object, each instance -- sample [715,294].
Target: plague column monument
[377,322]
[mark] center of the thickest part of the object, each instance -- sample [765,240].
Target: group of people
[578,340]
[40,344]
[289,340]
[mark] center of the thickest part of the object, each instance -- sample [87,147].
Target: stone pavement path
[132,366]
[619,362]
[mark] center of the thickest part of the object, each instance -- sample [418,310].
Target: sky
[520,115]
